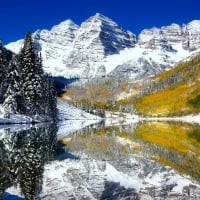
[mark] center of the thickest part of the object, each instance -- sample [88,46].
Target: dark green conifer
[32,77]
[35,88]
[13,98]
[28,92]
[3,73]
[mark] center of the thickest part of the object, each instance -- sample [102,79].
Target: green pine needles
[23,86]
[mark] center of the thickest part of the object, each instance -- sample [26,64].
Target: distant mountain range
[100,47]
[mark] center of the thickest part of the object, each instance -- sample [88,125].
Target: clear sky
[19,16]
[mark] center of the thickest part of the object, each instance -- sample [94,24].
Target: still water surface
[135,161]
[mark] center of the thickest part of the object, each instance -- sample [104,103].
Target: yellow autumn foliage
[172,101]
[180,85]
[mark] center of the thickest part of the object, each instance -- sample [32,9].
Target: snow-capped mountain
[168,37]
[100,47]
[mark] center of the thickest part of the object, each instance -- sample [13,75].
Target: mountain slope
[100,47]
[174,92]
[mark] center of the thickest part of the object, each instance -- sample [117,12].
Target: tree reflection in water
[22,158]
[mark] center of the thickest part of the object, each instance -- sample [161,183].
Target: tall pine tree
[32,77]
[13,98]
[50,99]
[3,72]
[29,93]
[34,84]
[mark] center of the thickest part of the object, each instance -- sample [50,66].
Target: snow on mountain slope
[144,62]
[99,47]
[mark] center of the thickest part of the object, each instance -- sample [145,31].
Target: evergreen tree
[3,72]
[14,95]
[27,91]
[50,99]
[36,89]
[32,77]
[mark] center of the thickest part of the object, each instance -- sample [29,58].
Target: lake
[147,160]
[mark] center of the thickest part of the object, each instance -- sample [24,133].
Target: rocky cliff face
[191,36]
[100,47]
[55,42]
[97,38]
[102,35]
[187,35]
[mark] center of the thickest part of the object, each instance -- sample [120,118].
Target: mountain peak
[99,15]
[103,34]
[99,18]
[67,22]
[65,25]
[194,23]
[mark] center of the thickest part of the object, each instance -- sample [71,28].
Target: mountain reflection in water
[173,144]
[149,160]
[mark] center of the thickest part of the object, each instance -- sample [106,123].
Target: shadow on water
[114,191]
[62,154]
[23,155]
[8,196]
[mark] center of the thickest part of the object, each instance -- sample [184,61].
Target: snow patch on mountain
[137,62]
[100,47]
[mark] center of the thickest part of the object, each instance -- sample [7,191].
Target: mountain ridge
[100,47]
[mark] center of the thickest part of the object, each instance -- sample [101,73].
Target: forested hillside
[172,93]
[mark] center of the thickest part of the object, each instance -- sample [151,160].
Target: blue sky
[19,16]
